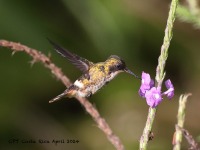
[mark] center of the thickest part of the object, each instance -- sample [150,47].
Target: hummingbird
[95,75]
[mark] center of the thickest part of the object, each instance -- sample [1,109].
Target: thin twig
[160,72]
[193,144]
[38,56]
[189,138]
[177,139]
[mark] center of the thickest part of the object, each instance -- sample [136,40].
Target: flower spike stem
[177,139]
[166,42]
[159,72]
[147,130]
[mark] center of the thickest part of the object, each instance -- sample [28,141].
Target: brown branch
[193,144]
[39,57]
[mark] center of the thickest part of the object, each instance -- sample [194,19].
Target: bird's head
[117,65]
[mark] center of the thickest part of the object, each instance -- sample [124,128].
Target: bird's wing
[81,63]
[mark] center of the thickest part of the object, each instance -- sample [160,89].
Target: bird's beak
[130,72]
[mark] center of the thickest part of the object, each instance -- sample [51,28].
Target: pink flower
[153,97]
[170,87]
[147,84]
[153,94]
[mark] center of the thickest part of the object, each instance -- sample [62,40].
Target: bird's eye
[119,66]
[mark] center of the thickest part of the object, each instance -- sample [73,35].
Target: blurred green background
[94,29]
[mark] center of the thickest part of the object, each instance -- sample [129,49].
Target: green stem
[166,42]
[159,72]
[147,130]
[181,119]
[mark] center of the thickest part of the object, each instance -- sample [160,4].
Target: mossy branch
[39,57]
[160,74]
